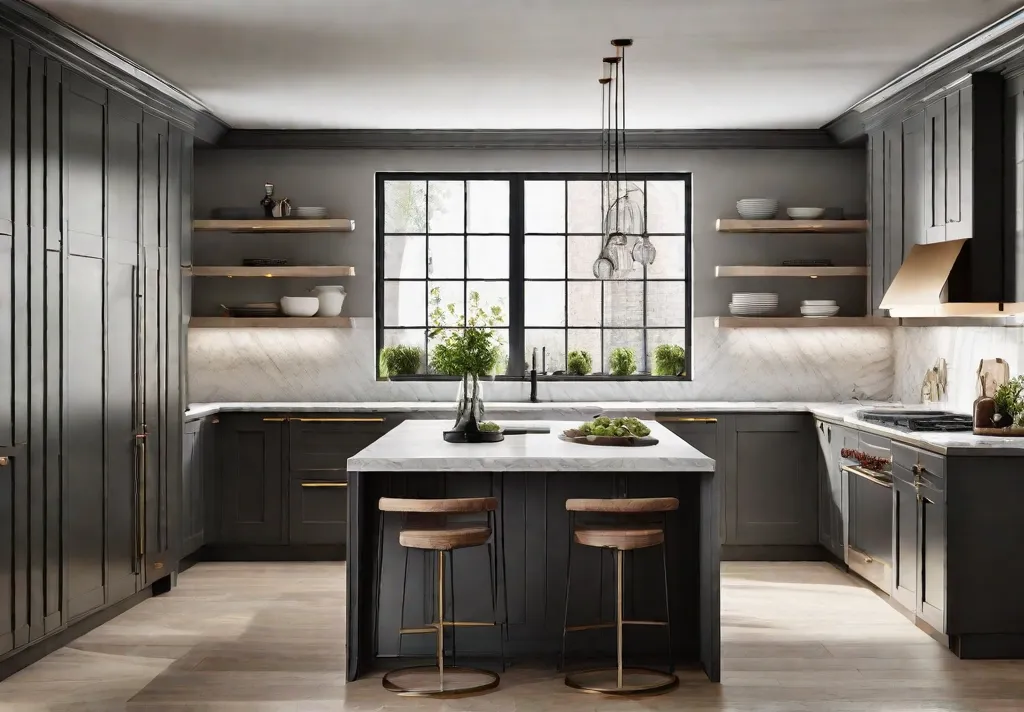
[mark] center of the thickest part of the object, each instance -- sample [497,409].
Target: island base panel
[536,537]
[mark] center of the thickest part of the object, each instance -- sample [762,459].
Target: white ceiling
[519,64]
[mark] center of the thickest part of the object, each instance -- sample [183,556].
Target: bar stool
[425,526]
[620,539]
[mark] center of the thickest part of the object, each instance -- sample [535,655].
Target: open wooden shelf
[270,322]
[799,322]
[275,225]
[769,271]
[233,271]
[792,226]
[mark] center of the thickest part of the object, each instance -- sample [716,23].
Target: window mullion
[516,276]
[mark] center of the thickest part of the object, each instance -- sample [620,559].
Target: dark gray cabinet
[252,482]
[707,434]
[832,502]
[771,481]
[904,538]
[198,458]
[914,189]
[317,511]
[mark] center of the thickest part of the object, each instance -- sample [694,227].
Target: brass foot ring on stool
[448,688]
[663,681]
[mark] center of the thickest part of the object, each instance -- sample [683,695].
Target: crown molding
[994,48]
[553,139]
[94,60]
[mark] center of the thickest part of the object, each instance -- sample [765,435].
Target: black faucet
[533,379]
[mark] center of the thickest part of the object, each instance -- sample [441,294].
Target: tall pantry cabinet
[92,210]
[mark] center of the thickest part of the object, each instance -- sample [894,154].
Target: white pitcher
[331,299]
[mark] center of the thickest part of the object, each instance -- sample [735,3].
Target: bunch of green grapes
[615,427]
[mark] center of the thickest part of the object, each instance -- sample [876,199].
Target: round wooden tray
[606,440]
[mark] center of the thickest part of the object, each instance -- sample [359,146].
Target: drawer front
[324,445]
[927,466]
[318,512]
[876,445]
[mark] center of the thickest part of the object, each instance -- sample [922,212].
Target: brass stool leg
[440,619]
[618,616]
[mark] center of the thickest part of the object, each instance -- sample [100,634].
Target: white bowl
[805,213]
[757,208]
[299,306]
[818,303]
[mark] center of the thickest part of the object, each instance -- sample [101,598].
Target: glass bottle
[268,200]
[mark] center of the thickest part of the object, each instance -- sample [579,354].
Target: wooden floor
[261,637]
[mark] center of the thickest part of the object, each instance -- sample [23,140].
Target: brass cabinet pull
[917,469]
[325,484]
[687,420]
[4,461]
[339,420]
[274,420]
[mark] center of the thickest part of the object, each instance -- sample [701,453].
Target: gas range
[919,420]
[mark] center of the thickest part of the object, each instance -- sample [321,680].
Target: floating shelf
[271,322]
[799,322]
[792,226]
[232,271]
[275,225]
[766,271]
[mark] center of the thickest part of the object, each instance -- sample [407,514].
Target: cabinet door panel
[6,147]
[914,188]
[84,130]
[318,512]
[893,202]
[253,500]
[932,541]
[935,171]
[324,445]
[14,559]
[952,158]
[904,529]
[771,475]
[54,597]
[876,219]
[193,482]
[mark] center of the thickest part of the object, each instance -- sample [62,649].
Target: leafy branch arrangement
[475,349]
[1010,402]
[669,360]
[622,361]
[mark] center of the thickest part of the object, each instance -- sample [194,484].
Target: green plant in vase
[1010,403]
[579,363]
[400,360]
[669,360]
[471,352]
[623,361]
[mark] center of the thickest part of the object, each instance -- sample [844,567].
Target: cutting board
[992,373]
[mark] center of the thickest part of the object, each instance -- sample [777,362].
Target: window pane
[544,303]
[488,206]
[583,251]
[584,303]
[405,256]
[545,257]
[588,340]
[624,338]
[445,206]
[447,259]
[623,303]
[666,304]
[407,337]
[670,259]
[488,256]
[405,206]
[554,341]
[492,294]
[449,297]
[658,337]
[405,304]
[584,206]
[666,206]
[544,205]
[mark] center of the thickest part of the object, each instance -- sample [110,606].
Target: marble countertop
[956,444]
[417,445]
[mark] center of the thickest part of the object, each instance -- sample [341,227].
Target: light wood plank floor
[261,637]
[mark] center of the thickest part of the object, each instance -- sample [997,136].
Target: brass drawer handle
[325,484]
[687,420]
[274,420]
[339,420]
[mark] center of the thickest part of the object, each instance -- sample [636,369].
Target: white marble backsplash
[729,364]
[917,349]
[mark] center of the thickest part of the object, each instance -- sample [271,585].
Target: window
[526,244]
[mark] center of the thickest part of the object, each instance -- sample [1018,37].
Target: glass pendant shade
[644,251]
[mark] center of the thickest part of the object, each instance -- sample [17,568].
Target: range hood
[935,281]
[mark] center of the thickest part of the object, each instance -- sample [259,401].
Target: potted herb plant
[623,361]
[579,363]
[1010,404]
[471,353]
[400,360]
[669,360]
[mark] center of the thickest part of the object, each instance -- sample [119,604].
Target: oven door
[869,547]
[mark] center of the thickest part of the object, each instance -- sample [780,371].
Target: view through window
[525,244]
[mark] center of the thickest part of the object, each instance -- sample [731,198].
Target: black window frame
[516,279]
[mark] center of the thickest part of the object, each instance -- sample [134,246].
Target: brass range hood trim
[919,289]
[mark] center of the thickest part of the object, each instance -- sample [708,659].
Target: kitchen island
[532,476]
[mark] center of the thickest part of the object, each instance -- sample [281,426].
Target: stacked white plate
[818,308]
[753,303]
[308,213]
[757,208]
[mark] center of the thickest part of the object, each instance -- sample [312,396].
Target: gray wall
[344,182]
